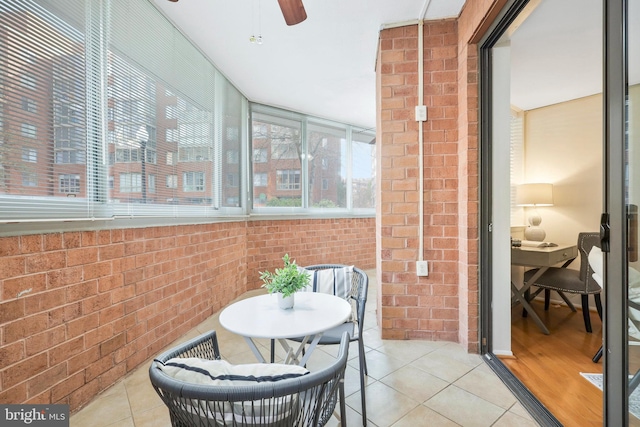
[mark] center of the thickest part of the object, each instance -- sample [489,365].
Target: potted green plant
[285,282]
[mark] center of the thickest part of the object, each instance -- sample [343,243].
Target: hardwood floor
[550,365]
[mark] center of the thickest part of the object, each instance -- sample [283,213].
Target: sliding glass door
[622,198]
[619,230]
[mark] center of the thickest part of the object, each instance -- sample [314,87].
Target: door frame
[531,403]
[615,360]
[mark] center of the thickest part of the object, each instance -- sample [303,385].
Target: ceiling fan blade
[293,11]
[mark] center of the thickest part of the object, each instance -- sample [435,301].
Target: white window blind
[517,164]
[43,110]
[99,101]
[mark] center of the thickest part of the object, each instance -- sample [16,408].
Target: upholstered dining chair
[564,280]
[201,390]
[353,284]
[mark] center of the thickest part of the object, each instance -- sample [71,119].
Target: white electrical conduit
[421,138]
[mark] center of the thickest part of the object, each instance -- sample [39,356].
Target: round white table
[313,313]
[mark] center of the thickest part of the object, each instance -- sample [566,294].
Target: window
[232,180]
[363,170]
[69,183]
[28,81]
[28,104]
[29,155]
[288,179]
[259,130]
[259,179]
[193,181]
[88,115]
[194,154]
[284,149]
[327,165]
[28,130]
[259,155]
[29,179]
[171,135]
[130,183]
[233,157]
[27,55]
[333,163]
[171,112]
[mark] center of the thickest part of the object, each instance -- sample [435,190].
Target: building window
[29,179]
[28,104]
[171,135]
[29,155]
[288,179]
[325,184]
[28,130]
[193,181]
[172,181]
[232,180]
[151,183]
[171,112]
[259,130]
[130,183]
[27,55]
[194,154]
[170,158]
[69,183]
[232,157]
[259,155]
[260,179]
[28,81]
[284,149]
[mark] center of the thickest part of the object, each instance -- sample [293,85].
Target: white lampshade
[534,195]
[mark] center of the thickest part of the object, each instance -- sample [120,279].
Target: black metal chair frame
[309,400]
[586,241]
[359,289]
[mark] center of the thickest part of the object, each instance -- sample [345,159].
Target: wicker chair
[309,400]
[359,289]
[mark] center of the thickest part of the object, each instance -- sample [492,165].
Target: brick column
[411,306]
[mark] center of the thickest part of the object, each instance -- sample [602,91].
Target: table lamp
[534,195]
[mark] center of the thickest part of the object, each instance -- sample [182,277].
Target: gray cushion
[562,279]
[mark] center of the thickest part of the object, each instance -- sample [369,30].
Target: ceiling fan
[292,10]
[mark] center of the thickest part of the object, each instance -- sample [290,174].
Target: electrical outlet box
[421,113]
[422,268]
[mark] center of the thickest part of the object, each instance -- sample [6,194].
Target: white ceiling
[555,58]
[324,66]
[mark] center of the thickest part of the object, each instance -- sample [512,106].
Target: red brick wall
[419,307]
[101,303]
[321,241]
[444,305]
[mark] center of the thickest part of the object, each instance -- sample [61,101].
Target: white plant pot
[285,303]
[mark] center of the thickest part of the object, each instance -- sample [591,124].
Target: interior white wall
[563,146]
[501,194]
[634,151]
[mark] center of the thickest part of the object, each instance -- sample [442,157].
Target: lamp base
[536,234]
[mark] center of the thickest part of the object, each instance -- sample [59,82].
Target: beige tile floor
[410,384]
